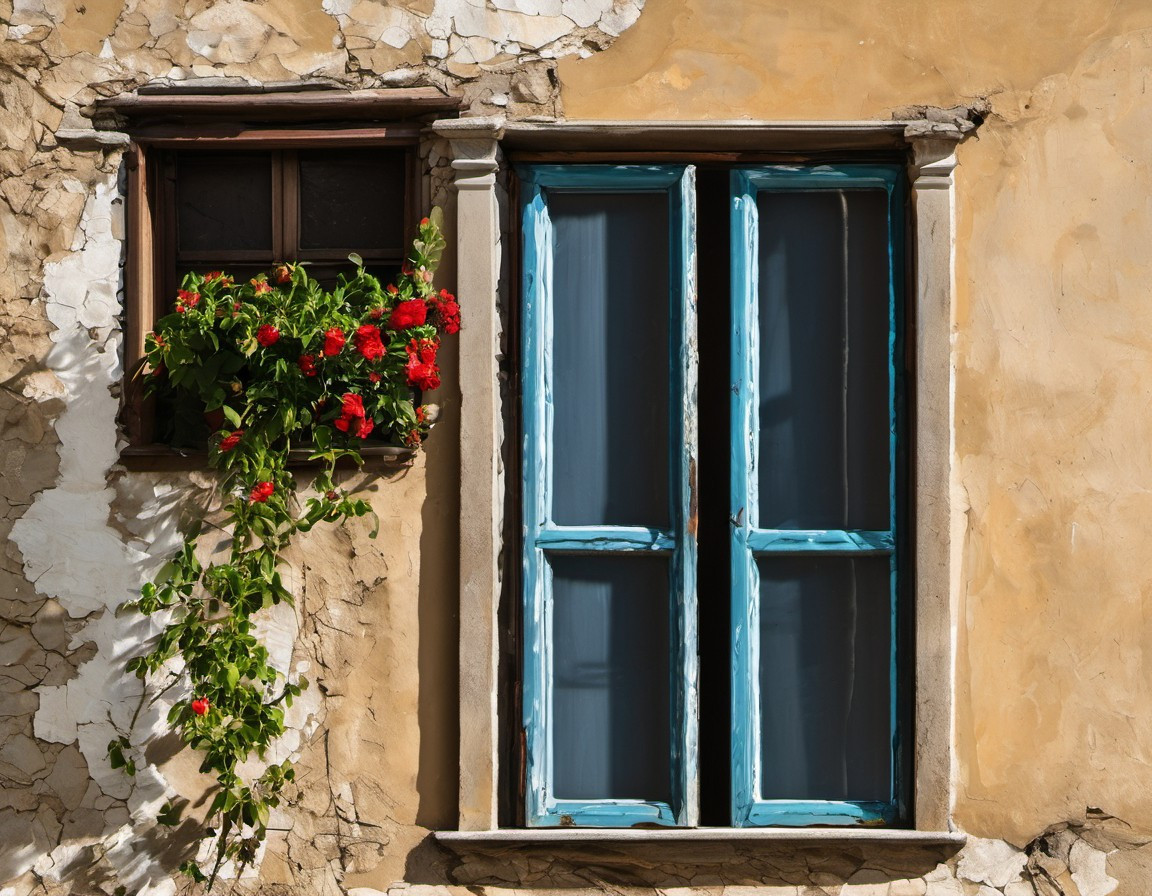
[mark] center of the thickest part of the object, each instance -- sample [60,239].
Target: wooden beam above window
[266,106]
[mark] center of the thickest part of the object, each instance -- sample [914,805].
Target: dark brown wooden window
[247,210]
[244,203]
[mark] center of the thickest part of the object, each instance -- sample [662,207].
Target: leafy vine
[283,364]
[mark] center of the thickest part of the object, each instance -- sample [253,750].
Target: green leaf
[356,259]
[232,416]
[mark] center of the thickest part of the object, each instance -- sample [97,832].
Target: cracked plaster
[84,534]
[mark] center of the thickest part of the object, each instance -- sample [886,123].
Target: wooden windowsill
[150,458]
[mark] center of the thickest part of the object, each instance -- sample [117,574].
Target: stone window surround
[939,515]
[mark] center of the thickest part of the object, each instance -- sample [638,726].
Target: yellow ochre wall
[1053,340]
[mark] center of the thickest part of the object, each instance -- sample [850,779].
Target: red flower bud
[307,364]
[200,706]
[261,492]
[267,335]
[231,441]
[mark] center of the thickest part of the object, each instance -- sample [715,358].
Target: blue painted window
[796,542]
[609,568]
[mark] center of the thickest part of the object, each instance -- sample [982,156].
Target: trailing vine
[283,364]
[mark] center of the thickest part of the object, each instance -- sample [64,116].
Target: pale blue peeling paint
[749,805]
[542,536]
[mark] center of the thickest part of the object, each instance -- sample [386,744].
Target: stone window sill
[816,837]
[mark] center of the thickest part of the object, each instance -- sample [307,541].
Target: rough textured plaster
[1054,223]
[1052,401]
[858,59]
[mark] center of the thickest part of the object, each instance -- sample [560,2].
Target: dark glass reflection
[825,678]
[824,368]
[224,202]
[352,199]
[610,359]
[611,715]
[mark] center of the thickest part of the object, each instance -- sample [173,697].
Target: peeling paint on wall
[1052,401]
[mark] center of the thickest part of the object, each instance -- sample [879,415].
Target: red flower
[160,370]
[231,441]
[373,377]
[412,440]
[392,290]
[376,313]
[283,273]
[352,419]
[423,222]
[333,342]
[261,492]
[408,314]
[261,286]
[447,311]
[224,279]
[236,306]
[421,414]
[186,300]
[368,342]
[200,705]
[267,335]
[308,364]
[421,367]
[351,405]
[406,269]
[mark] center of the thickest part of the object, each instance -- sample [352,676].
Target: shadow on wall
[663,865]
[437,780]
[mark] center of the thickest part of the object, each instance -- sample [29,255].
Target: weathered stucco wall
[1053,358]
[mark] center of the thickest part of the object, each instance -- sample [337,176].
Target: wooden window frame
[748,808]
[150,278]
[542,534]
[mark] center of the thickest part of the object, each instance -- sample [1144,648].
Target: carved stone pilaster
[939,514]
[933,162]
[474,144]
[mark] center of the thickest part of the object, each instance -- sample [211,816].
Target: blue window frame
[608,556]
[815,484]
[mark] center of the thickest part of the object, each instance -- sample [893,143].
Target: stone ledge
[816,837]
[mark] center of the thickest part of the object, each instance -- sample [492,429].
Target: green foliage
[284,364]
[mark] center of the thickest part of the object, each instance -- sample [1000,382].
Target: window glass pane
[610,358]
[224,202]
[825,678]
[824,374]
[610,702]
[352,199]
